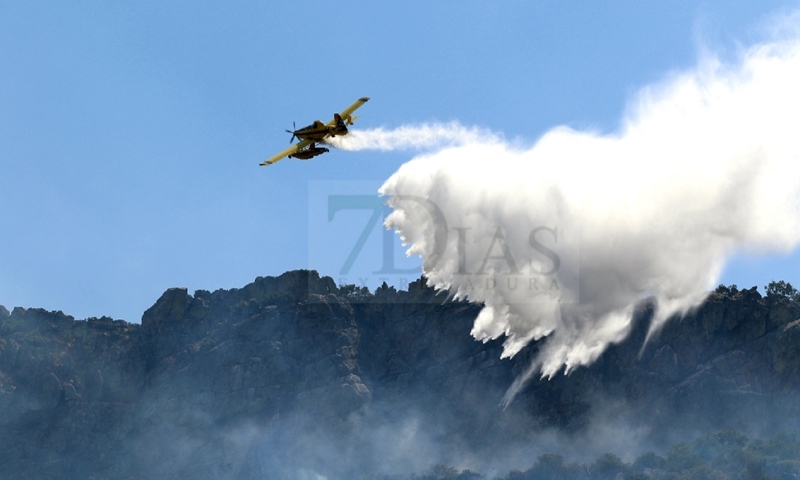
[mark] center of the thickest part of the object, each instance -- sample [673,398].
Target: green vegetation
[725,455]
[727,290]
[782,289]
[775,289]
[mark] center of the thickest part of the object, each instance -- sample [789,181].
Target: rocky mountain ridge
[293,373]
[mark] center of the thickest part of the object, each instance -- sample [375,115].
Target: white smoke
[562,239]
[433,135]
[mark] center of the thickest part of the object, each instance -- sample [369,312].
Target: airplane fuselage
[319,131]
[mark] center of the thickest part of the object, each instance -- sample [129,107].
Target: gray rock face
[293,373]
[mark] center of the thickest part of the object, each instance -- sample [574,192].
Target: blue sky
[130,135]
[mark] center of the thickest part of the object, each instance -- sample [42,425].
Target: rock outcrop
[239,383]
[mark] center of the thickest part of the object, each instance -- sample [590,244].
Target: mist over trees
[724,455]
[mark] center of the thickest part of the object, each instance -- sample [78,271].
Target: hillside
[292,376]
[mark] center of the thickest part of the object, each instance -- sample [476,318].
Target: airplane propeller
[294,129]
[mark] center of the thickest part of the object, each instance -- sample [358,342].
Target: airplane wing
[345,114]
[289,151]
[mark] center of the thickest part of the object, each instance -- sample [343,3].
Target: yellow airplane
[317,132]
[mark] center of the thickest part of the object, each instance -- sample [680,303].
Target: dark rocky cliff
[293,374]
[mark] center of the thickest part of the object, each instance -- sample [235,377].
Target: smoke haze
[563,238]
